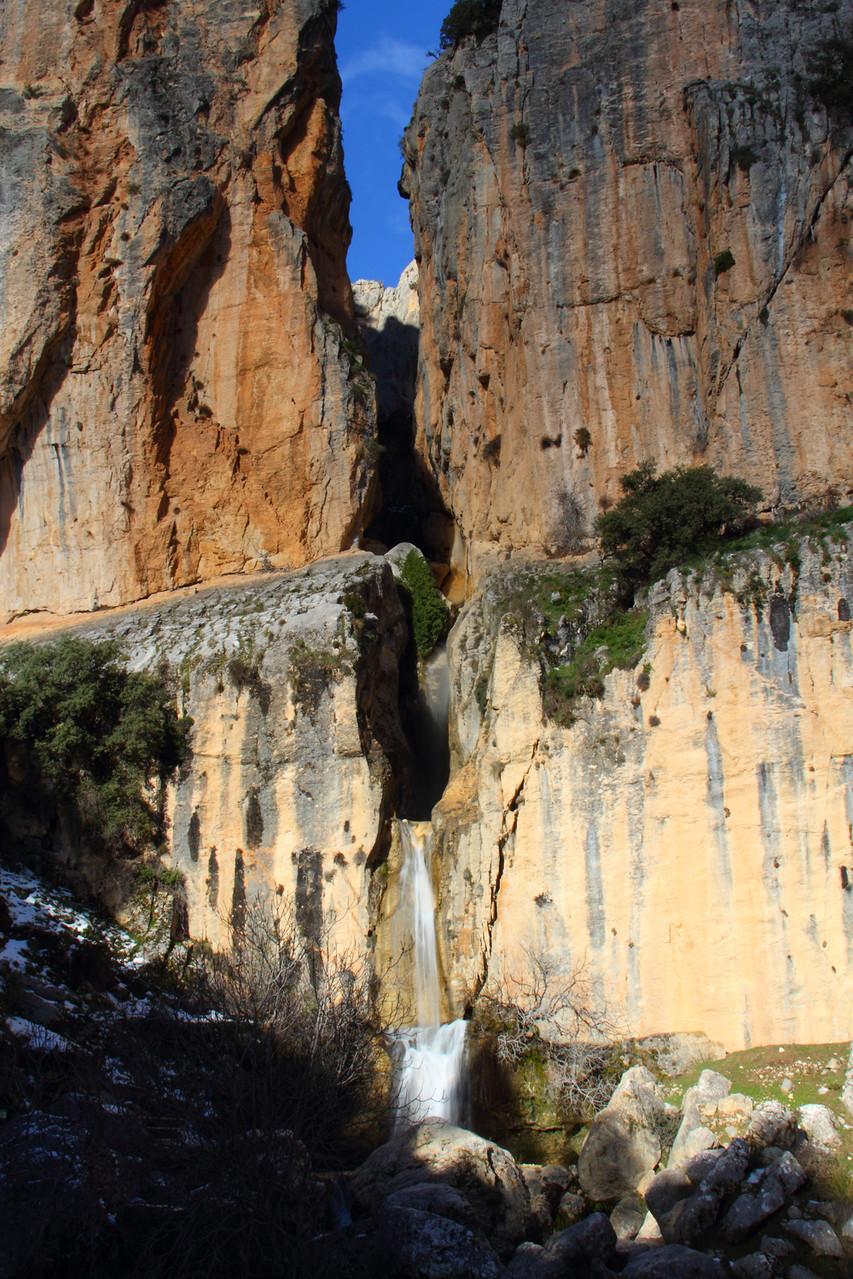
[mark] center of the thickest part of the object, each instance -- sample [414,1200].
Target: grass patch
[759,1072]
[571,623]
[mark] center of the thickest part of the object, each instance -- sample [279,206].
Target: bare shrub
[554,1010]
[570,529]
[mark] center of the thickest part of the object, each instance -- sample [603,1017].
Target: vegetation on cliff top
[86,736]
[663,520]
[477,18]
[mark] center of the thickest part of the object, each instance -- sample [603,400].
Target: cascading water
[430,1063]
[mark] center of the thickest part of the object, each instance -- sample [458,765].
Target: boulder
[627,1218]
[540,1205]
[692,1138]
[556,1179]
[755,1206]
[847,1090]
[440,1200]
[531,1261]
[570,1209]
[438,1152]
[615,1156]
[624,1139]
[667,1189]
[432,1247]
[756,1266]
[819,1236]
[675,1262]
[592,1238]
[819,1122]
[700,1212]
[772,1124]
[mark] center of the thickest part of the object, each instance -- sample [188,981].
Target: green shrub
[520,133]
[429,611]
[618,643]
[85,733]
[664,520]
[583,439]
[477,18]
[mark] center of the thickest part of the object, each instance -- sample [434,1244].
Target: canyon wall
[180,389]
[632,223]
[297,752]
[686,844]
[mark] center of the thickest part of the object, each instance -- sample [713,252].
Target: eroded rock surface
[179,388]
[631,223]
[689,839]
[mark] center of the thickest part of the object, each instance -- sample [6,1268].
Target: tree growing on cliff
[477,18]
[663,520]
[86,736]
[429,611]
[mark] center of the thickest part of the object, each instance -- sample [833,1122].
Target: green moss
[618,643]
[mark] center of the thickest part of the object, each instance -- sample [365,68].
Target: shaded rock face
[297,751]
[579,183]
[687,843]
[178,396]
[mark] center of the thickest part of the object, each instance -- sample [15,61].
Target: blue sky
[382,52]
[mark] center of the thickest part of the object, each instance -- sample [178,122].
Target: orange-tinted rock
[579,184]
[176,395]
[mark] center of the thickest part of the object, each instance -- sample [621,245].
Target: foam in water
[430,1056]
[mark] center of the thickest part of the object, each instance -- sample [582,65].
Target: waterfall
[430,1057]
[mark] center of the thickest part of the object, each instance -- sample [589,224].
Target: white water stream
[430,1056]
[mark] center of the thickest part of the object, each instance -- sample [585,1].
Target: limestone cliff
[297,751]
[632,226]
[687,840]
[180,393]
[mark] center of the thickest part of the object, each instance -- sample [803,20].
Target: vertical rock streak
[579,182]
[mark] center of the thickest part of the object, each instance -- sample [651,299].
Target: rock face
[180,394]
[632,230]
[298,754]
[390,322]
[686,844]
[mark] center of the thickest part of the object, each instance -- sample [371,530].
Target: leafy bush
[87,735]
[477,18]
[663,520]
[429,611]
